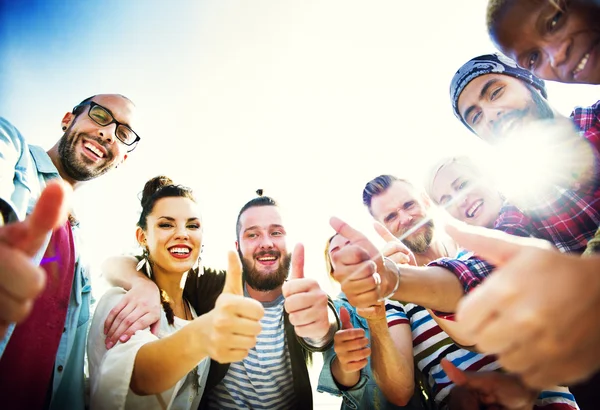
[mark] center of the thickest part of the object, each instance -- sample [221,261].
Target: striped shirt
[263,380]
[431,344]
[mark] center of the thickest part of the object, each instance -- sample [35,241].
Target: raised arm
[225,334]
[366,277]
[21,279]
[434,288]
[310,311]
[22,240]
[352,352]
[392,362]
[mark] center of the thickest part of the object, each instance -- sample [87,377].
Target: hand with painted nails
[305,302]
[537,312]
[22,280]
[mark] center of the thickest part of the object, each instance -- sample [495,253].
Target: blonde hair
[441,164]
[328,264]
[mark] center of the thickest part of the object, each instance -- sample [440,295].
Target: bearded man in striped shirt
[299,319]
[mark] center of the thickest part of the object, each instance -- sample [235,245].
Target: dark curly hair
[155,189]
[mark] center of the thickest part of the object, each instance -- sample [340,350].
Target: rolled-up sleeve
[11,147]
[470,271]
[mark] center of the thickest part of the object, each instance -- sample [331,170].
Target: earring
[64,128]
[198,265]
[145,263]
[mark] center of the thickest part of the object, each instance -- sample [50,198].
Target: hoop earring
[145,263]
[64,128]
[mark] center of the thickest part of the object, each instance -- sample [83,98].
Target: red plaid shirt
[569,220]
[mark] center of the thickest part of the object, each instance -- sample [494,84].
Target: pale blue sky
[307,100]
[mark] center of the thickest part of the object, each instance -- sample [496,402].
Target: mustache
[414,227]
[98,141]
[274,253]
[509,121]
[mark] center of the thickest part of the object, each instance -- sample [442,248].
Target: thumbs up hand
[305,301]
[21,280]
[350,345]
[360,269]
[233,281]
[235,320]
[394,249]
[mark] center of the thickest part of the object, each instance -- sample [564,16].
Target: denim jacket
[365,394]
[24,171]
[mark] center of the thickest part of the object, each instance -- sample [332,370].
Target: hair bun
[153,185]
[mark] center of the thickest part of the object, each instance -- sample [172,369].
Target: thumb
[382,231]
[454,373]
[51,211]
[345,318]
[233,279]
[155,328]
[298,262]
[492,245]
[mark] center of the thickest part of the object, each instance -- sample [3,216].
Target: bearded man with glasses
[43,328]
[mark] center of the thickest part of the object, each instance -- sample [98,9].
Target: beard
[265,281]
[419,242]
[537,109]
[81,168]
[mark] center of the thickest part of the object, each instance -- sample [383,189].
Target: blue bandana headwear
[489,64]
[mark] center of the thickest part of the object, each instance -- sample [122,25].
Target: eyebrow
[272,226]
[394,212]
[454,183]
[170,218]
[482,94]
[113,115]
[486,87]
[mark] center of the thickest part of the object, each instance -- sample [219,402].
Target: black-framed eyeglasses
[102,116]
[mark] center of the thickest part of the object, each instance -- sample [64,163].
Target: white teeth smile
[94,149]
[581,64]
[267,258]
[180,251]
[474,208]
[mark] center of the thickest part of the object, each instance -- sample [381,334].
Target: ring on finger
[377,279]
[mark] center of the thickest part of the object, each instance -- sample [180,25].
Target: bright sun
[534,161]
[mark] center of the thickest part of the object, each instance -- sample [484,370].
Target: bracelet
[334,326]
[394,268]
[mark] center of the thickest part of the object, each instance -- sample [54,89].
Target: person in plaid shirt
[490,92]
[535,335]
[402,206]
[487,92]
